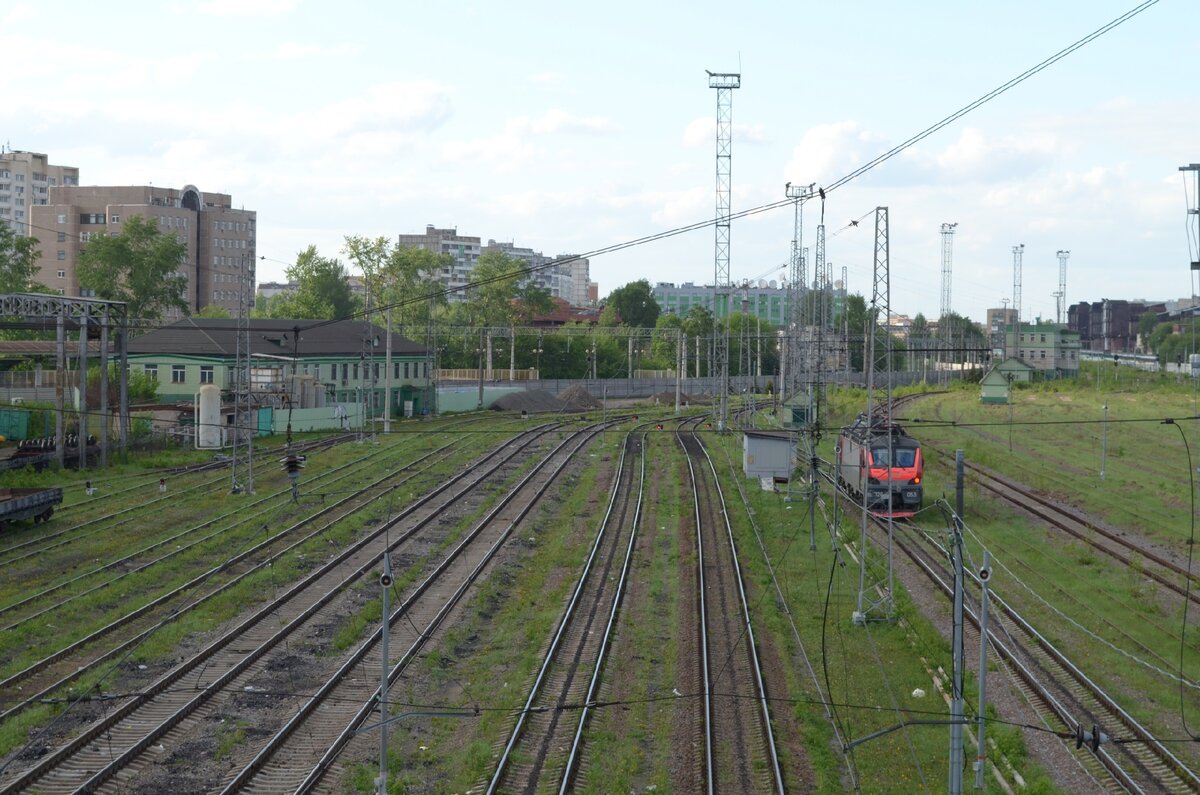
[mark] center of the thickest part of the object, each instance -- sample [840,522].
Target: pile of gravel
[667,398]
[578,398]
[533,401]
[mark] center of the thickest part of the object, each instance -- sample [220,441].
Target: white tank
[208,417]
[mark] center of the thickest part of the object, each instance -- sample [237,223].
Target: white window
[62,274]
[116,219]
[206,374]
[151,371]
[178,373]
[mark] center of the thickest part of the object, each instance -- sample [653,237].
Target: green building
[995,386]
[1050,349]
[346,357]
[765,301]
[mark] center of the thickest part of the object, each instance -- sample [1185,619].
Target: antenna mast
[724,83]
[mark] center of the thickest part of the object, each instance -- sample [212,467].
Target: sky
[568,129]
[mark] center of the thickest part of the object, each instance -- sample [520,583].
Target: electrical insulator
[292,464]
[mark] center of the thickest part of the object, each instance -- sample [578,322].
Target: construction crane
[1060,297]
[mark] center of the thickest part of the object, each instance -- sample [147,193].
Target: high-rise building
[463,249]
[220,239]
[25,182]
[564,276]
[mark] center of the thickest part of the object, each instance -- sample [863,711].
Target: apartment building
[25,182]
[220,261]
[464,251]
[564,276]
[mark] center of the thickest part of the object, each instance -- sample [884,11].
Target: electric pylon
[875,595]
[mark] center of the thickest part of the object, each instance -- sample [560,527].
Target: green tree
[533,300]
[634,303]
[491,301]
[139,266]
[1146,325]
[322,291]
[18,261]
[213,311]
[402,277]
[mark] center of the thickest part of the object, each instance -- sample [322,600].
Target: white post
[985,576]
[1104,442]
[385,583]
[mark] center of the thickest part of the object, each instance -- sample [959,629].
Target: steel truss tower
[947,264]
[245,418]
[797,287]
[1061,296]
[1018,257]
[724,83]
[875,587]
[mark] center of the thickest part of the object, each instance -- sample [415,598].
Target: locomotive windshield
[904,456]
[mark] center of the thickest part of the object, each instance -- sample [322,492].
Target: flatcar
[878,460]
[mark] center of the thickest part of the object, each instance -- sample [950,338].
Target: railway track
[739,747]
[545,743]
[179,698]
[332,716]
[40,542]
[68,663]
[1138,763]
[1113,543]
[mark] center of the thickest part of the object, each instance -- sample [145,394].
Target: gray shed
[768,454]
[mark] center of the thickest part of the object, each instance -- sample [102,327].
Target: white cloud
[295,51]
[558,121]
[408,105]
[547,79]
[246,8]
[829,151]
[703,132]
[22,12]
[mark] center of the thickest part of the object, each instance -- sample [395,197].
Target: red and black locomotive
[878,461]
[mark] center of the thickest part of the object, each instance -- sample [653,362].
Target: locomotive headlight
[917,480]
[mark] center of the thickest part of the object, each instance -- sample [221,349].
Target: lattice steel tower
[1018,257]
[947,265]
[875,584]
[1061,296]
[797,286]
[724,83]
[244,415]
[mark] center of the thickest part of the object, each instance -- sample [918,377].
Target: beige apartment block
[220,240]
[25,182]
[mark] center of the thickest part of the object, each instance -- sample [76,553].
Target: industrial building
[1050,349]
[220,240]
[765,300]
[344,360]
